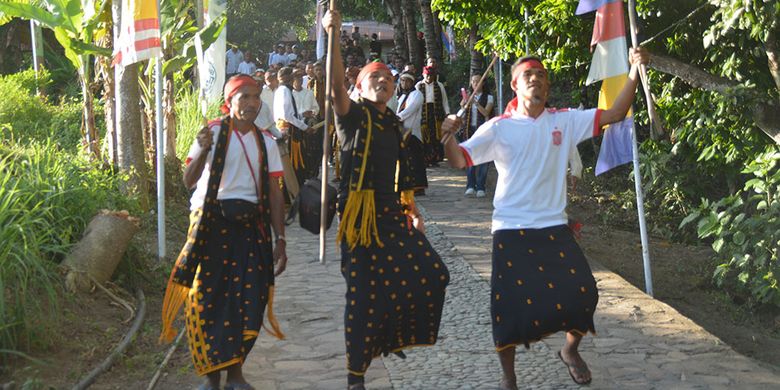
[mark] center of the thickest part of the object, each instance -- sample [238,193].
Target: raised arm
[331,22]
[620,107]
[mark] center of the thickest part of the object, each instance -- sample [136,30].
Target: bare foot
[578,369]
[507,384]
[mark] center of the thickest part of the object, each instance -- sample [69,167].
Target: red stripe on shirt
[188,161]
[597,130]
[466,155]
[276,174]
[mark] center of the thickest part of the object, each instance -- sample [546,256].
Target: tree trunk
[399,29]
[477,58]
[428,28]
[773,53]
[90,132]
[409,12]
[106,73]
[765,115]
[130,144]
[169,110]
[438,49]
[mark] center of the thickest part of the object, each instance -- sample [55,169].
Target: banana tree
[77,25]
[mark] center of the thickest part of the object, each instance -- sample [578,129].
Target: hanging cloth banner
[211,63]
[139,35]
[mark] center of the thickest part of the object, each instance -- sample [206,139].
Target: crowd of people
[391,124]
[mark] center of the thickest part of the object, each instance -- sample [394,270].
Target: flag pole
[160,153]
[655,121]
[325,138]
[640,202]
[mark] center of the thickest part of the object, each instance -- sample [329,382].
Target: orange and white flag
[139,36]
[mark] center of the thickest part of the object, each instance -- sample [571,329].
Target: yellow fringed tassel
[296,156]
[359,204]
[275,330]
[175,295]
[407,199]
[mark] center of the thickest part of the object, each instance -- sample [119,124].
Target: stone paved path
[642,343]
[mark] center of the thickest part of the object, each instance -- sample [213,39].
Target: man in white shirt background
[247,66]
[233,58]
[410,103]
[290,122]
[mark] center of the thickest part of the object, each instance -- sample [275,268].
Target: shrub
[47,196]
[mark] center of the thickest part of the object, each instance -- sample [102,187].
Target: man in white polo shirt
[541,282]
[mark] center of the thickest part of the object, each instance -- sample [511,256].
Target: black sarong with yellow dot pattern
[395,284]
[541,284]
[227,268]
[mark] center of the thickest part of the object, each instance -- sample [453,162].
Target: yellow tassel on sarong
[296,156]
[175,295]
[275,330]
[360,204]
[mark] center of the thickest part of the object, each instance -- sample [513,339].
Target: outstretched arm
[331,22]
[623,102]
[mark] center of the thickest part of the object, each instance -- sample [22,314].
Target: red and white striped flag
[139,36]
[610,65]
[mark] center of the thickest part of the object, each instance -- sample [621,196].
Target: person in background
[435,109]
[247,66]
[233,58]
[478,112]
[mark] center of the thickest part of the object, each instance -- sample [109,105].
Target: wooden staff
[462,112]
[325,136]
[655,120]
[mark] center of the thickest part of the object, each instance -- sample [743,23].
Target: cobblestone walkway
[642,343]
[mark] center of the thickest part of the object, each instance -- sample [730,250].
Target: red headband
[429,70]
[368,69]
[530,63]
[231,88]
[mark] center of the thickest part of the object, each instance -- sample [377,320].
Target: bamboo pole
[325,137]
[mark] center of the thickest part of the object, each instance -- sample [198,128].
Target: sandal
[579,369]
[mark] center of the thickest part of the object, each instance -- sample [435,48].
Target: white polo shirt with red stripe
[531,157]
[237,180]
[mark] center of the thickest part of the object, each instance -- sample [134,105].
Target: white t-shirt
[531,157]
[247,68]
[411,114]
[233,60]
[430,94]
[237,180]
[267,96]
[305,101]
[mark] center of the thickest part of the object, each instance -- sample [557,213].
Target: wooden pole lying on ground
[326,137]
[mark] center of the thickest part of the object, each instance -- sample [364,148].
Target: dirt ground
[681,277]
[93,325]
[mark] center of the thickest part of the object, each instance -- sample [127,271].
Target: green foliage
[257,26]
[48,193]
[189,119]
[746,231]
[26,116]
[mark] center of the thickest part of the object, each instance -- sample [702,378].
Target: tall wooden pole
[325,136]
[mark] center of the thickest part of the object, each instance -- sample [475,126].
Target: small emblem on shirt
[557,136]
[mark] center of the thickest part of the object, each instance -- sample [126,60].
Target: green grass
[189,120]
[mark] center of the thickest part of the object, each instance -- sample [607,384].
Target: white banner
[211,64]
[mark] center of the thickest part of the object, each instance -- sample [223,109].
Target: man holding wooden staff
[541,282]
[395,279]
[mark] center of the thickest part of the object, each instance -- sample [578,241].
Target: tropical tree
[77,25]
